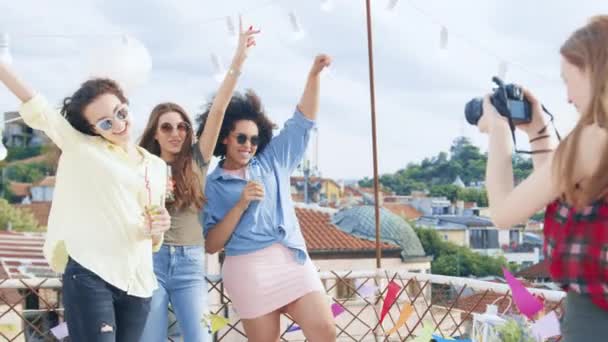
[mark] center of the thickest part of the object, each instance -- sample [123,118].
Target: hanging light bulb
[5,53]
[327,5]
[443,38]
[502,70]
[230,26]
[392,4]
[218,68]
[232,34]
[3,151]
[298,33]
[125,60]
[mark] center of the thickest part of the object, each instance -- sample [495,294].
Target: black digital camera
[509,101]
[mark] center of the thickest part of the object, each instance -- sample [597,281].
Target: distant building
[18,134]
[482,236]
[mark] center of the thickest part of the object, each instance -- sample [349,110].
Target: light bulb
[218,69]
[327,5]
[443,38]
[5,54]
[125,60]
[232,32]
[502,70]
[298,33]
[392,4]
[3,151]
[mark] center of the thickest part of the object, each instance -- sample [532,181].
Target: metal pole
[306,178]
[372,93]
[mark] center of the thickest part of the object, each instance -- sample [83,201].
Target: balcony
[30,307]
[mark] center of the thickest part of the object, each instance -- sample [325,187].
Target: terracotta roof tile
[321,235]
[539,270]
[46,181]
[21,255]
[20,189]
[478,302]
[40,210]
[404,210]
[351,191]
[370,191]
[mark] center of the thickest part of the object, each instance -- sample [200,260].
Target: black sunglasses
[242,139]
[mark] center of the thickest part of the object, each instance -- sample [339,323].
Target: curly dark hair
[73,106]
[241,107]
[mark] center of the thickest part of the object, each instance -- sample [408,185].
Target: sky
[421,89]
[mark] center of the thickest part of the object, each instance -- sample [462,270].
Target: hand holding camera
[508,107]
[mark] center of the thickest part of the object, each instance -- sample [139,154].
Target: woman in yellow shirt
[101,227]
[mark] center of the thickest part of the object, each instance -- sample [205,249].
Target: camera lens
[473,110]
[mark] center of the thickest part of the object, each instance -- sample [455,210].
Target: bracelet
[541,151]
[233,72]
[540,137]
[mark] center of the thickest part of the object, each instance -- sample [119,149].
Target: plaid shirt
[576,245]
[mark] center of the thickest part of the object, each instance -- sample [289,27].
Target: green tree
[18,219]
[453,260]
[449,191]
[435,173]
[18,152]
[27,173]
[366,182]
[473,195]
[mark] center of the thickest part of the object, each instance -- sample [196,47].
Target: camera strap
[543,130]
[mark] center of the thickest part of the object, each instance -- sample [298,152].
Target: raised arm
[36,112]
[309,103]
[14,84]
[289,146]
[511,205]
[208,138]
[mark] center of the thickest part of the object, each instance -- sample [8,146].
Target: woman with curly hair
[267,270]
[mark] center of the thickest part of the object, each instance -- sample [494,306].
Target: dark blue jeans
[96,311]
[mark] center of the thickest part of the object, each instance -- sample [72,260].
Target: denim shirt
[273,219]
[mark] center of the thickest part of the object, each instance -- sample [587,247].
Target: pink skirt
[267,280]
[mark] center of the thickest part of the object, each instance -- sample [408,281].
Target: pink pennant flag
[525,301]
[336,310]
[389,300]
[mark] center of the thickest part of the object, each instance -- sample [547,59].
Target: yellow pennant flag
[215,322]
[405,314]
[426,334]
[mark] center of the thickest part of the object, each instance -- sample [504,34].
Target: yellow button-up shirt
[98,203]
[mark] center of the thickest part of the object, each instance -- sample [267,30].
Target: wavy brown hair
[586,49]
[187,178]
[73,106]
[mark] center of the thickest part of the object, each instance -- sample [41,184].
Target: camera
[509,101]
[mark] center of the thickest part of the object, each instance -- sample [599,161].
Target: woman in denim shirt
[250,215]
